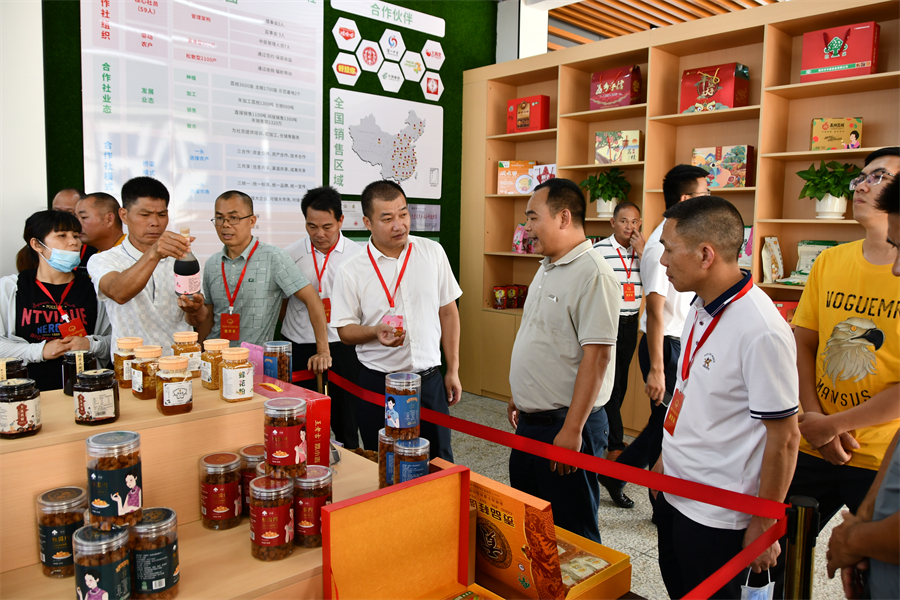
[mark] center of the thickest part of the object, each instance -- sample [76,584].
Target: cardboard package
[618,147]
[514,176]
[787,310]
[616,87]
[527,114]
[717,87]
[543,173]
[728,166]
[837,52]
[836,133]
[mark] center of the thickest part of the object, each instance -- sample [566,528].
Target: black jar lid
[16,387]
[99,376]
[70,356]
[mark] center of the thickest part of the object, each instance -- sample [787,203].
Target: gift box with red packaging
[616,87]
[715,88]
[845,51]
[527,114]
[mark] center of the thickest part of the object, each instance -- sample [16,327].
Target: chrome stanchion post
[803,529]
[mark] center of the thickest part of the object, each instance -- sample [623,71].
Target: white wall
[23,160]
[521,29]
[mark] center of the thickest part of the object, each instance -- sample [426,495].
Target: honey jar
[143,372]
[60,512]
[20,408]
[122,358]
[174,390]
[74,362]
[285,435]
[186,344]
[154,553]
[13,368]
[210,361]
[102,563]
[114,477]
[252,456]
[220,490]
[236,375]
[96,397]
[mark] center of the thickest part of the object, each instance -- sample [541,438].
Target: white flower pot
[606,208]
[831,207]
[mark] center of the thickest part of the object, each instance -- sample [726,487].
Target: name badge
[326,302]
[74,328]
[674,411]
[628,291]
[230,325]
[395,321]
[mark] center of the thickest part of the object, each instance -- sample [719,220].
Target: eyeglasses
[232,220]
[871,179]
[706,193]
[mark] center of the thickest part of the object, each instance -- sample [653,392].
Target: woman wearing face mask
[47,292]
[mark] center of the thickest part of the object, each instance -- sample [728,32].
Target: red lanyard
[228,295]
[399,277]
[65,317]
[319,273]
[687,364]
[628,268]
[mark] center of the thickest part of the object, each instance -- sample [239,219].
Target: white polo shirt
[744,373]
[358,298]
[296,326]
[654,279]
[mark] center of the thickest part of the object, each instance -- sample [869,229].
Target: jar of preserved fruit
[277,360]
[60,512]
[210,361]
[236,375]
[74,362]
[114,477]
[13,368]
[285,435]
[101,563]
[311,493]
[143,372]
[96,397]
[252,456]
[410,459]
[220,490]
[186,344]
[123,357]
[154,565]
[401,405]
[385,459]
[20,408]
[174,390]
[271,534]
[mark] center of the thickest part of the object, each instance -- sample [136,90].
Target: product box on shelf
[728,166]
[618,147]
[543,173]
[787,310]
[836,133]
[527,114]
[715,88]
[837,52]
[616,87]
[745,258]
[514,176]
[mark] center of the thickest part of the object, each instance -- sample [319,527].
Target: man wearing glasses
[244,283]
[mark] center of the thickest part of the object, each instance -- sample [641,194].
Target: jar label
[285,445]
[237,384]
[19,417]
[115,493]
[177,393]
[220,501]
[126,370]
[56,543]
[95,406]
[412,470]
[188,285]
[247,475]
[389,468]
[112,580]
[156,570]
[309,514]
[272,526]
[205,371]
[193,359]
[270,365]
[401,412]
[137,380]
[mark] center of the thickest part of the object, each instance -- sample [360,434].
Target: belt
[629,318]
[547,417]
[429,372]
[673,338]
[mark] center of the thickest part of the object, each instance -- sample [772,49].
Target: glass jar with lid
[220,490]
[96,397]
[143,372]
[154,547]
[252,456]
[277,360]
[285,435]
[74,362]
[271,518]
[236,375]
[186,344]
[210,361]
[20,408]
[13,368]
[123,357]
[60,513]
[312,491]
[115,484]
[174,390]
[410,459]
[402,392]
[101,563]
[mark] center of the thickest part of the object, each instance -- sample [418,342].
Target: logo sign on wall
[391,76]
[346,34]
[392,45]
[432,86]
[369,55]
[433,55]
[346,69]
[412,66]
[394,15]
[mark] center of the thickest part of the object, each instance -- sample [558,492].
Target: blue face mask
[63,261]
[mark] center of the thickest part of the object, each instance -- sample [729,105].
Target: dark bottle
[187,271]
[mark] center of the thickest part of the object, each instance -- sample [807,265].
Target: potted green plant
[608,188]
[829,186]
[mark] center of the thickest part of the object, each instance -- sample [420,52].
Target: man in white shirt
[399,276]
[136,280]
[661,324]
[732,422]
[319,255]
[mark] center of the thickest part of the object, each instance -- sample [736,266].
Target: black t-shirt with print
[37,319]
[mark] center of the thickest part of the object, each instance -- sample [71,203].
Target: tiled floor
[628,531]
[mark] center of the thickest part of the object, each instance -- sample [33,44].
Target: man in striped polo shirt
[622,250]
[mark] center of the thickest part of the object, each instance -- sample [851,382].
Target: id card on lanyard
[230,323]
[627,288]
[688,360]
[392,319]
[68,327]
[326,302]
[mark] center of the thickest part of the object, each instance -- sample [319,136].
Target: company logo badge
[432,85]
[434,54]
[346,69]
[370,56]
[392,41]
[347,34]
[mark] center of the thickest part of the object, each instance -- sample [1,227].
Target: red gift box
[714,88]
[527,114]
[616,87]
[845,51]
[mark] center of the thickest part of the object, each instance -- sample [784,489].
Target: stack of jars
[402,454]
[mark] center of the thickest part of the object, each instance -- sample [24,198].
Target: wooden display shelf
[744,113]
[781,286]
[218,564]
[623,166]
[526,136]
[514,254]
[596,220]
[507,195]
[848,85]
[505,311]
[608,114]
[716,191]
[810,221]
[816,155]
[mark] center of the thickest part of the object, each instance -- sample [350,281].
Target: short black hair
[324,198]
[565,194]
[106,203]
[625,204]
[681,180]
[93,573]
[248,201]
[888,151]
[856,131]
[384,190]
[710,219]
[889,199]
[81,194]
[143,187]
[38,226]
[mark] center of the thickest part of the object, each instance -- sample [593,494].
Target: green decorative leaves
[607,185]
[833,178]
